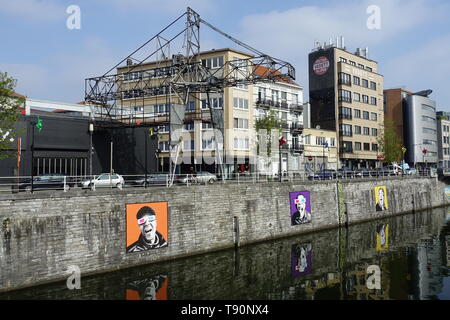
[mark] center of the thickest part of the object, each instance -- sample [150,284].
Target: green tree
[9,113]
[266,125]
[390,144]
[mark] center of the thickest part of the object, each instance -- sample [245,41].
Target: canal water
[402,258]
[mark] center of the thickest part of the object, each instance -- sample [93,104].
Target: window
[353,63]
[429,131]
[138,109]
[374,132]
[164,128]
[307,139]
[345,96]
[429,142]
[261,94]
[294,98]
[189,126]
[190,106]
[430,119]
[346,147]
[358,146]
[356,97]
[275,95]
[373,85]
[366,131]
[366,115]
[342,60]
[346,130]
[208,144]
[216,103]
[360,65]
[162,108]
[345,113]
[369,69]
[356,81]
[365,83]
[428,108]
[345,78]
[283,96]
[213,63]
[207,125]
[240,103]
[374,147]
[241,144]
[188,145]
[373,101]
[373,116]
[365,99]
[332,142]
[164,146]
[357,113]
[366,146]
[240,123]
[357,129]
[320,141]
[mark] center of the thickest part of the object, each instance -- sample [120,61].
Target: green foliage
[9,113]
[268,124]
[389,142]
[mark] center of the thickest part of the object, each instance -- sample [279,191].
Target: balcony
[284,105]
[264,103]
[296,108]
[285,125]
[297,127]
[297,148]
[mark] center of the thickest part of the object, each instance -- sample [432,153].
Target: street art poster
[154,288]
[382,237]
[301,259]
[300,206]
[381,198]
[147,226]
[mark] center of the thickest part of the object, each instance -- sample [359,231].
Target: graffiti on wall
[382,237]
[381,198]
[146,226]
[300,207]
[301,259]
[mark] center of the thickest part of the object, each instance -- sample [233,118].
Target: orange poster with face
[147,226]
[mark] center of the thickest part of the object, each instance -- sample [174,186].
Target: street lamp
[281,143]
[324,145]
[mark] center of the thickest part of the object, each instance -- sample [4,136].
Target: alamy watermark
[74,280]
[373,281]
[374,19]
[73,22]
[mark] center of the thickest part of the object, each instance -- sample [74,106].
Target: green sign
[39,124]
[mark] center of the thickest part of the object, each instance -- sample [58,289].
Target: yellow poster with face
[381,199]
[382,237]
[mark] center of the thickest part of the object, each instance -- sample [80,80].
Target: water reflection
[404,257]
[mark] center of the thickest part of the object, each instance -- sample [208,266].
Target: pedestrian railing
[67,183]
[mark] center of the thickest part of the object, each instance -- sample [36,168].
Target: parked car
[363,173]
[345,173]
[154,178]
[198,177]
[105,180]
[410,171]
[48,181]
[383,172]
[322,175]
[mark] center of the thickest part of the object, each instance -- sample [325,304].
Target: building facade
[321,150]
[285,101]
[346,96]
[418,122]
[443,128]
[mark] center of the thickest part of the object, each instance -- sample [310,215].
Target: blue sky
[51,62]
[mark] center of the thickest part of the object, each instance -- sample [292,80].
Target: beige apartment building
[320,150]
[198,142]
[346,96]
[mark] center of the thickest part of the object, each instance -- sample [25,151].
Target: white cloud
[427,67]
[290,35]
[34,10]
[171,6]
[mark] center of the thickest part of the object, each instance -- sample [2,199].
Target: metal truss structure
[151,72]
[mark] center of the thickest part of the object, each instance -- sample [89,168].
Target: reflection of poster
[148,289]
[300,207]
[301,259]
[447,192]
[146,226]
[382,237]
[381,198]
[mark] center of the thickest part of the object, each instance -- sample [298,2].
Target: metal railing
[96,182]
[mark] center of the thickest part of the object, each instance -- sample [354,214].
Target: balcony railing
[297,147]
[296,126]
[296,108]
[284,105]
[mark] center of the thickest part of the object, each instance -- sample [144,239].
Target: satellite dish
[318,127]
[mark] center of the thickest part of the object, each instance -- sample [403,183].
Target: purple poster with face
[300,207]
[301,259]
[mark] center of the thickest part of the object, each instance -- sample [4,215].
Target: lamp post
[281,143]
[91,131]
[324,145]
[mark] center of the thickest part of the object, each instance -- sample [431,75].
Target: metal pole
[279,166]
[111,165]
[145,180]
[91,127]
[32,155]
